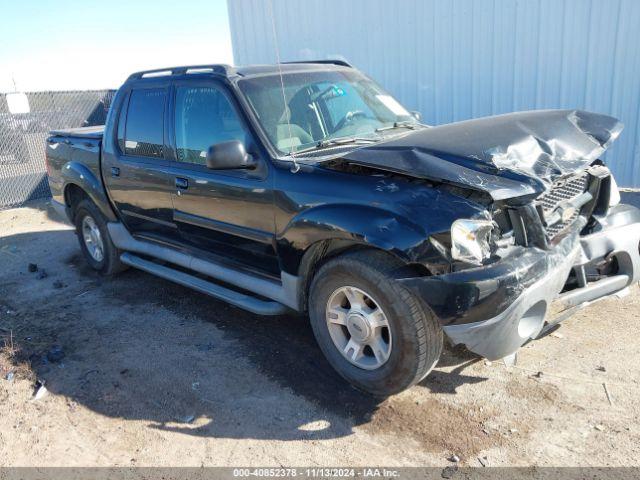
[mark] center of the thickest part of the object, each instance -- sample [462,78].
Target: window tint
[144,130]
[204,117]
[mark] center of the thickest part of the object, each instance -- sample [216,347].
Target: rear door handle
[182,183]
[115,172]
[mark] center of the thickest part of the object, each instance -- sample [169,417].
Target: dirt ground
[145,372]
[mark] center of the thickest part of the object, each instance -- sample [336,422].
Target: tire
[88,215]
[414,336]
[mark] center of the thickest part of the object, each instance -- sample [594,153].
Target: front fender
[361,224]
[75,173]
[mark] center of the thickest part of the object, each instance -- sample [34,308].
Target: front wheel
[374,332]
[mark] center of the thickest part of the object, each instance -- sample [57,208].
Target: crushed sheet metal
[506,155]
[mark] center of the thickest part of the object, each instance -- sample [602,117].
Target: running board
[252,304]
[283,292]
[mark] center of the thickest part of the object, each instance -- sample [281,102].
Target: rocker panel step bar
[284,292]
[246,302]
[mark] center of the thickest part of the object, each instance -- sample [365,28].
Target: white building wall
[457,59]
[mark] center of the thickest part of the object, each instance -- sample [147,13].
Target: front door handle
[182,183]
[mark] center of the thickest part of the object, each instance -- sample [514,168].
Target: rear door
[226,213]
[137,174]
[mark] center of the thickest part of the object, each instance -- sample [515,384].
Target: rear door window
[144,133]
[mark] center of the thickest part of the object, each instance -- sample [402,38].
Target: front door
[226,213]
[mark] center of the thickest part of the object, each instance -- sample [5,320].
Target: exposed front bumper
[494,310]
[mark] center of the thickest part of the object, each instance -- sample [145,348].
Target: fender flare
[75,173]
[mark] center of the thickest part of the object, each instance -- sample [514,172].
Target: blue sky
[72,44]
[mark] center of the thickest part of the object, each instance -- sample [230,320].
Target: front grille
[562,190]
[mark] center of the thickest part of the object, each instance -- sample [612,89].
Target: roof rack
[342,63]
[218,69]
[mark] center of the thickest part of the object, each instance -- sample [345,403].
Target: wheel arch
[322,233]
[80,182]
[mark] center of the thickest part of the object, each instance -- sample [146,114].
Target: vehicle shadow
[141,348]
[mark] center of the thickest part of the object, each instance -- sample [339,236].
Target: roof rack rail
[219,69]
[342,63]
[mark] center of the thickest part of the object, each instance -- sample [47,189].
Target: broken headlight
[470,240]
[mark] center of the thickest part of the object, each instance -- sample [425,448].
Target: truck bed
[95,132]
[72,145]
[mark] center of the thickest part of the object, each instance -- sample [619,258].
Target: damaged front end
[554,238]
[547,273]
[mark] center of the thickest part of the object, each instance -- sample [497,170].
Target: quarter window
[204,117]
[144,131]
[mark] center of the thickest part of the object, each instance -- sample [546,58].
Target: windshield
[321,106]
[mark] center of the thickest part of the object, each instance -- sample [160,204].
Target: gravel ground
[145,372]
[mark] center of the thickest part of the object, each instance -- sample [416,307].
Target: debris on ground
[42,274]
[606,392]
[40,391]
[484,461]
[33,267]
[599,427]
[454,458]
[58,284]
[9,376]
[556,335]
[600,368]
[510,360]
[513,430]
[188,419]
[537,375]
[450,471]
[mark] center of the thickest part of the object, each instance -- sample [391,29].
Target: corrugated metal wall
[458,59]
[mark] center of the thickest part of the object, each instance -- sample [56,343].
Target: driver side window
[204,117]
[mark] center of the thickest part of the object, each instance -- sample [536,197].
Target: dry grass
[12,359]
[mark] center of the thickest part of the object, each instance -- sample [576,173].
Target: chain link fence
[23,175]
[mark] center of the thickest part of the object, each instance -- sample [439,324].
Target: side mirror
[417,115]
[229,156]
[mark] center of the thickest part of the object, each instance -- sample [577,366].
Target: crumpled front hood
[506,156]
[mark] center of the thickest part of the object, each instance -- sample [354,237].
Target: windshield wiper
[410,125]
[328,142]
[344,141]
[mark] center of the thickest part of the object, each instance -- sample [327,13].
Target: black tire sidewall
[401,368]
[85,209]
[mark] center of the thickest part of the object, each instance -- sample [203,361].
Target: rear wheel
[374,332]
[95,242]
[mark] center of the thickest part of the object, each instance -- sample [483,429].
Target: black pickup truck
[306,187]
